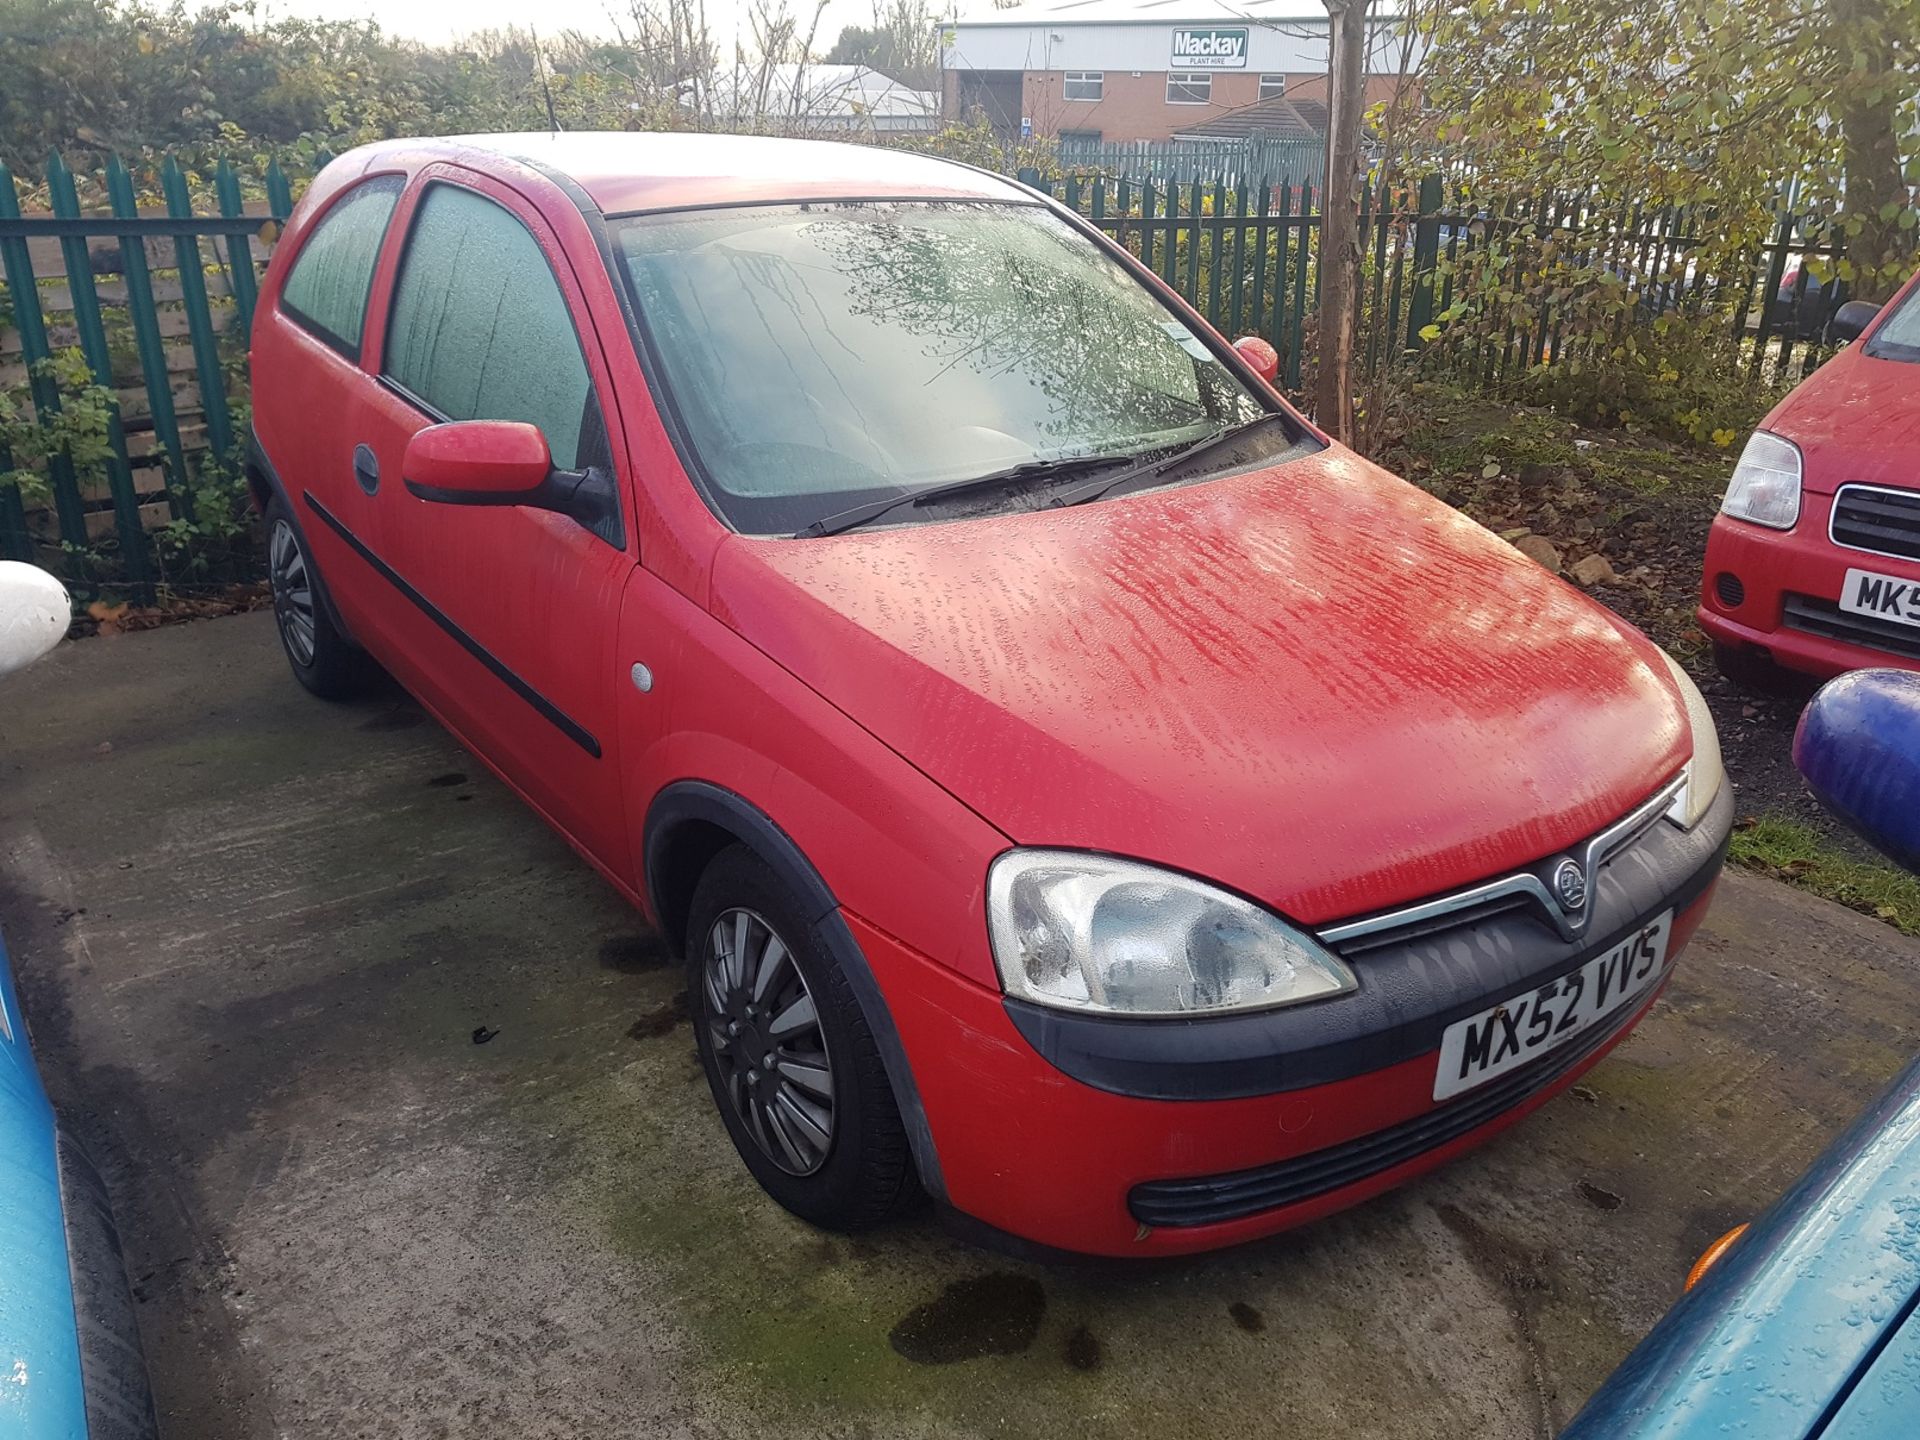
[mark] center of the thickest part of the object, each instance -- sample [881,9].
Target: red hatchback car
[1813,563]
[1078,787]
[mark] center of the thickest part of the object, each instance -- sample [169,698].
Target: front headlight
[1704,773]
[1765,487]
[1085,932]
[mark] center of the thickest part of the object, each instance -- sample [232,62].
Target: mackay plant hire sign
[1212,48]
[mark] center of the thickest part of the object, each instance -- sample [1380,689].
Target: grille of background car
[1728,586]
[1865,517]
[1823,617]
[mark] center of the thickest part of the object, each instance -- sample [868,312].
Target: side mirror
[1851,320]
[34,614]
[506,462]
[477,462]
[1858,745]
[1264,359]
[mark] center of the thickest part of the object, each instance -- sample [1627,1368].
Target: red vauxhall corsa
[1079,788]
[1813,563]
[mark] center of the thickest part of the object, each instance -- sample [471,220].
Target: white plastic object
[34,614]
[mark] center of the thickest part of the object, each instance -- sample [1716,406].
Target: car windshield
[1898,337]
[822,356]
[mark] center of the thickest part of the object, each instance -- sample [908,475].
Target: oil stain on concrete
[993,1314]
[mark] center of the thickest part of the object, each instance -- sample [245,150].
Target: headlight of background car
[1085,932]
[1766,483]
[1704,774]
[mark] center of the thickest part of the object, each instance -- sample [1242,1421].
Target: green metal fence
[1248,158]
[1245,252]
[158,299]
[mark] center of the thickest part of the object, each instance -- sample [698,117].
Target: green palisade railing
[93,344]
[145,318]
[16,262]
[39,316]
[1246,256]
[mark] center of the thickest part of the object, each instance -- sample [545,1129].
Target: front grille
[1869,518]
[1728,586]
[1524,889]
[1215,1199]
[1822,617]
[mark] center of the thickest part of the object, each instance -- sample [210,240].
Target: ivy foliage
[1732,109]
[136,78]
[1636,175]
[77,428]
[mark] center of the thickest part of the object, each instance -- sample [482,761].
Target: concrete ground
[408,1139]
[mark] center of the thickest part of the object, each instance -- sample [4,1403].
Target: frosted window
[326,291]
[822,354]
[480,329]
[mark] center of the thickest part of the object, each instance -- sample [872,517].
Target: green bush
[1676,376]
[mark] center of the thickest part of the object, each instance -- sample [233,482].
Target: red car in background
[1813,563]
[1079,788]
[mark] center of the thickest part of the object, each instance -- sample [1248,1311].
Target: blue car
[70,1362]
[1803,1324]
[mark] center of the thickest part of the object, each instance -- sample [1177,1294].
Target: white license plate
[1526,1026]
[1881,596]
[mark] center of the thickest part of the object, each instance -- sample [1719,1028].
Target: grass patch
[1652,470]
[1796,853]
[1458,434]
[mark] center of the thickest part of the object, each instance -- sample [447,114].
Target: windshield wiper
[868,511]
[1159,465]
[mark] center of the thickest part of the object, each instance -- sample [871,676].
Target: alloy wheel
[766,1036]
[292,592]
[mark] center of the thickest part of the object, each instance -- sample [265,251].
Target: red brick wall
[1131,107]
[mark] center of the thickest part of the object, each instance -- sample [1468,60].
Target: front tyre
[323,659]
[788,1054]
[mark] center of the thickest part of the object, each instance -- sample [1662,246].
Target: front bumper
[1165,1137]
[1783,603]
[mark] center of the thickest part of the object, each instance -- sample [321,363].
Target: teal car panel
[42,1395]
[1797,1318]
[1885,1404]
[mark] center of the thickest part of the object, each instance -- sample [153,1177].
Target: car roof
[623,172]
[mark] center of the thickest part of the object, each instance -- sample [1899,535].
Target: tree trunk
[1339,217]
[1864,104]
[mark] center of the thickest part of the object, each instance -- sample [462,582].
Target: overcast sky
[440,20]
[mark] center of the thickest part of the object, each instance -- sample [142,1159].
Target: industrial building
[1103,71]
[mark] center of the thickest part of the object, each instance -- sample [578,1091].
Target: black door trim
[559,718]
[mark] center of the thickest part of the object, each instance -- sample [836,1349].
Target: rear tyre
[1752,671]
[323,659]
[791,1061]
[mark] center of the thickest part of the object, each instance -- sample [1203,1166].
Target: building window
[1085,84]
[1272,87]
[1192,89]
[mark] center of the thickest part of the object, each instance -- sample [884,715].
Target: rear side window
[479,328]
[326,291]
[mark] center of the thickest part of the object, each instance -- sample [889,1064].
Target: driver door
[506,617]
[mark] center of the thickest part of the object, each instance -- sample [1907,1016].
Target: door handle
[366,469]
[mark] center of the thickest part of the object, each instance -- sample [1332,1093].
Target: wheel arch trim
[700,803]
